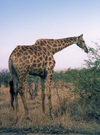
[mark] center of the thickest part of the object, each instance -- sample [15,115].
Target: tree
[88,84]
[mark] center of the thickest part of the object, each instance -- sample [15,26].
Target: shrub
[4,77]
[88,84]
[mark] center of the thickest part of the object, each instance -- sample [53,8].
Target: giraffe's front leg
[50,73]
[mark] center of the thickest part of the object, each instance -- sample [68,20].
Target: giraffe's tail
[12,93]
[11,83]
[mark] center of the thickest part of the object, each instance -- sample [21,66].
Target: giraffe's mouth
[86,49]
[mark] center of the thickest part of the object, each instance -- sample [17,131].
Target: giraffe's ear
[80,36]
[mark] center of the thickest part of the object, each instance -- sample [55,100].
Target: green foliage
[4,77]
[88,84]
[58,76]
[66,76]
[71,75]
[31,78]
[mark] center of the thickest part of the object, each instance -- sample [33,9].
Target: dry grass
[66,111]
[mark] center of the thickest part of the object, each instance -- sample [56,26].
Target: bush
[88,84]
[4,77]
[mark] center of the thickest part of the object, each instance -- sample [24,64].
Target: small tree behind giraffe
[32,91]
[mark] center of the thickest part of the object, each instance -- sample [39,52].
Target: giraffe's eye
[83,41]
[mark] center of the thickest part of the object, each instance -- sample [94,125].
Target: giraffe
[37,60]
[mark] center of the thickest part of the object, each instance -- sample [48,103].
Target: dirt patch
[30,131]
[38,134]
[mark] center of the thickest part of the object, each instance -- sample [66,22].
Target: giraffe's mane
[43,39]
[46,39]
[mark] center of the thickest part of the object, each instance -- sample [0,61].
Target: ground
[64,121]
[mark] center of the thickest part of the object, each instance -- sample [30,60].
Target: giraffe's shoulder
[40,40]
[18,47]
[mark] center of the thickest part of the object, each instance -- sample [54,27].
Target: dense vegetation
[4,77]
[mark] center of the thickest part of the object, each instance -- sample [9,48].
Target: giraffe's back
[32,59]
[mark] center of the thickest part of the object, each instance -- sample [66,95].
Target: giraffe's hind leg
[16,106]
[22,94]
[43,94]
[22,86]
[15,83]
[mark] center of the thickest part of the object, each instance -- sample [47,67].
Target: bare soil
[38,134]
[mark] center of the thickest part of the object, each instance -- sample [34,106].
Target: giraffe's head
[81,43]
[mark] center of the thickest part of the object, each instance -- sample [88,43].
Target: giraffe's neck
[59,44]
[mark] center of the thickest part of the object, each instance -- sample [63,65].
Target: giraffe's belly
[38,72]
